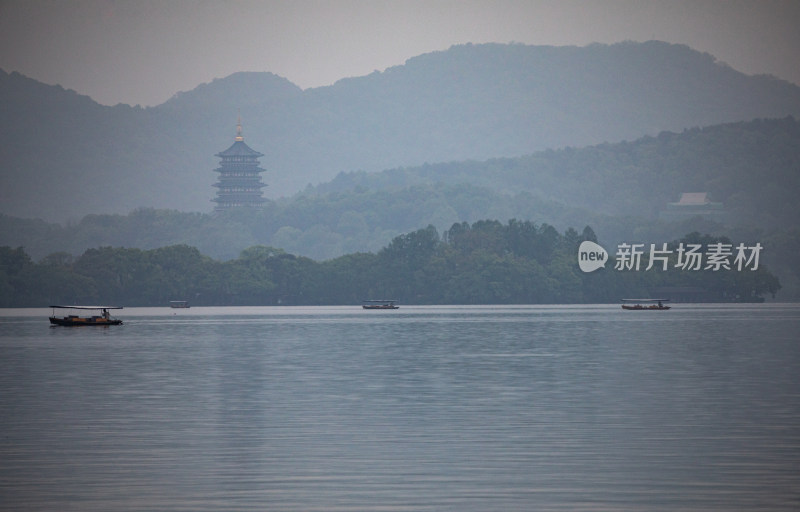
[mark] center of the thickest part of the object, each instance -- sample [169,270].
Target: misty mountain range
[63,155]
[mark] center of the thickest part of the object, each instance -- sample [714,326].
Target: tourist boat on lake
[104,318]
[179,304]
[645,304]
[380,304]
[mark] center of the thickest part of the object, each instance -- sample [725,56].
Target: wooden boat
[104,318]
[645,304]
[380,304]
[179,304]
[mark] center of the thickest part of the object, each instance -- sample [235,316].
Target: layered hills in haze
[64,156]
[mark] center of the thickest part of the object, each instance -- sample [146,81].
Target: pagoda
[239,182]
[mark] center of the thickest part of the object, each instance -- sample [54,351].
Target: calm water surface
[585,408]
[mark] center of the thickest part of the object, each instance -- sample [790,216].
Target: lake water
[578,408]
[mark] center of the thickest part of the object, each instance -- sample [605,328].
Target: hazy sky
[144,51]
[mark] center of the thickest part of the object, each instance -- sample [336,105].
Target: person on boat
[106,316]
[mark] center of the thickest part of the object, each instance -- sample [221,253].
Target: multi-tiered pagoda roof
[239,183]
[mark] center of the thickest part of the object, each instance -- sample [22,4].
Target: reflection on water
[418,409]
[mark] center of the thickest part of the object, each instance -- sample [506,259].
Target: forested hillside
[487,262]
[752,168]
[64,156]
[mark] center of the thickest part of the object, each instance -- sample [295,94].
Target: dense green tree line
[486,262]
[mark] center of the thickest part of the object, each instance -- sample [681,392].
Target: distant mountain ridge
[63,155]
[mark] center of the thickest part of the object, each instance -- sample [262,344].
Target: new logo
[591,256]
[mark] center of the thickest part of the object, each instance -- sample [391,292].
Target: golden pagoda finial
[239,136]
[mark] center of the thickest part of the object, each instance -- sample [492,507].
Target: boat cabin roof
[87,307]
[645,300]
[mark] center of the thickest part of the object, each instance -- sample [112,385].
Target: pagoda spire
[239,136]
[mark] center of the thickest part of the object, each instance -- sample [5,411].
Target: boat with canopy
[380,304]
[645,304]
[103,318]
